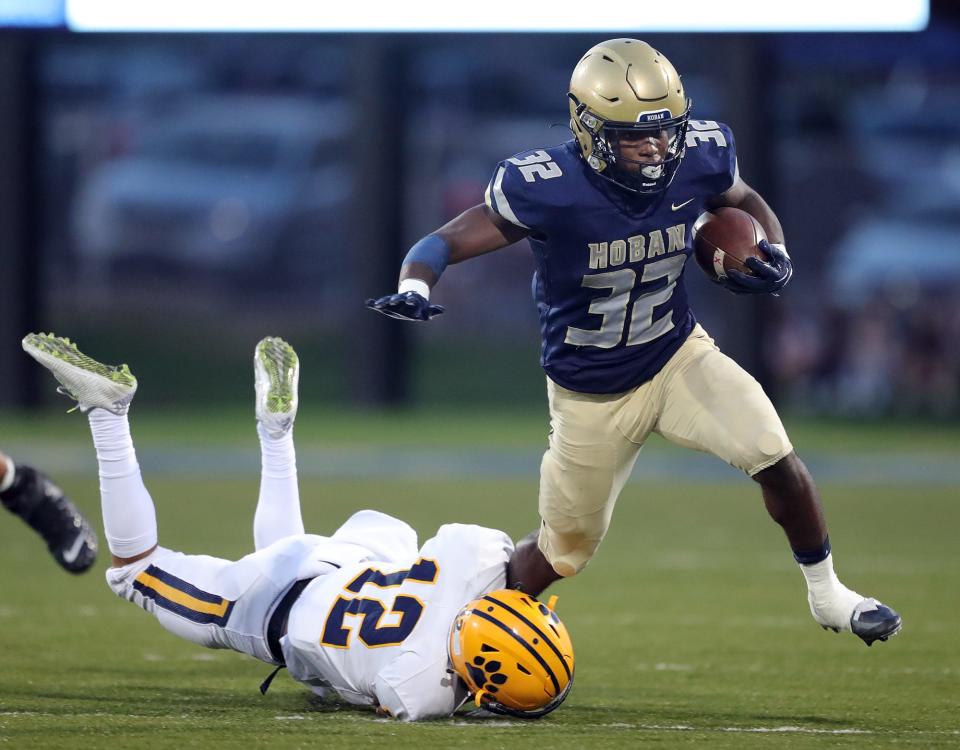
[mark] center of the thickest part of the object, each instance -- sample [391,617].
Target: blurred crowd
[875,359]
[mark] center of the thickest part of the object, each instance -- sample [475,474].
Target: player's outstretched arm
[476,231]
[775,274]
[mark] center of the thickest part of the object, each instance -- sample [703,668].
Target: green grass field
[690,627]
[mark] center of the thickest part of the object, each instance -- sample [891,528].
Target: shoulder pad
[710,133]
[526,185]
[712,154]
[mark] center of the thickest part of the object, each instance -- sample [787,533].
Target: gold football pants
[701,399]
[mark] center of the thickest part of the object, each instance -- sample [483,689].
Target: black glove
[405,306]
[769,277]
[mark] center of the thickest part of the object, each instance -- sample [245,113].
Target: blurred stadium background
[192,188]
[170,198]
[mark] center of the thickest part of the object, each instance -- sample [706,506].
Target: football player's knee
[767,448]
[569,544]
[120,580]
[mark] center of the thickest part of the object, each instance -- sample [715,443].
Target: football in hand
[723,239]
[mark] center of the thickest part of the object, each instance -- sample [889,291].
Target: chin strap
[265,685]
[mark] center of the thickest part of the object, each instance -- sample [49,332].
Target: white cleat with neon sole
[277,375]
[91,384]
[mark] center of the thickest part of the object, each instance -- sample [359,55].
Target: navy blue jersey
[609,266]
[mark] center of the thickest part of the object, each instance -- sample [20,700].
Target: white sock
[129,518]
[9,475]
[278,506]
[831,603]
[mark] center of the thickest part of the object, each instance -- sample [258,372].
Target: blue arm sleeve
[432,251]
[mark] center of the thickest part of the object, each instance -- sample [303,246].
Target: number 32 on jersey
[373,632]
[538,164]
[613,307]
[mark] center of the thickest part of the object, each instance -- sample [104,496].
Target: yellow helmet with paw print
[513,652]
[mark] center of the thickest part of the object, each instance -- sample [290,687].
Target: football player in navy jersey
[608,215]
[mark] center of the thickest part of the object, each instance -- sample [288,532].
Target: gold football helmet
[622,92]
[513,653]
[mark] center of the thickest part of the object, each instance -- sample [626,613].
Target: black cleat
[44,507]
[874,621]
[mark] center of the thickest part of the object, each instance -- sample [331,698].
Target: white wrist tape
[415,285]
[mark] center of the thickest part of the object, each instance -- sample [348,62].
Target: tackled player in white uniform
[413,632]
[404,666]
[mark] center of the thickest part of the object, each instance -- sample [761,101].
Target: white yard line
[499,723]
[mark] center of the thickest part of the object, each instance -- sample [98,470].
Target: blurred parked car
[907,139]
[900,257]
[243,185]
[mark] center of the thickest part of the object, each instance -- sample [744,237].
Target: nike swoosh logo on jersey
[675,207]
[70,556]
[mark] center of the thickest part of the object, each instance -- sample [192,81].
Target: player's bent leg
[213,602]
[184,605]
[129,516]
[105,393]
[575,510]
[792,500]
[711,404]
[582,473]
[276,376]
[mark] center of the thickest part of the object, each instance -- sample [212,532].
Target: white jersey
[376,631]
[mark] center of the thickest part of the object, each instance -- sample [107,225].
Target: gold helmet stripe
[523,642]
[546,639]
